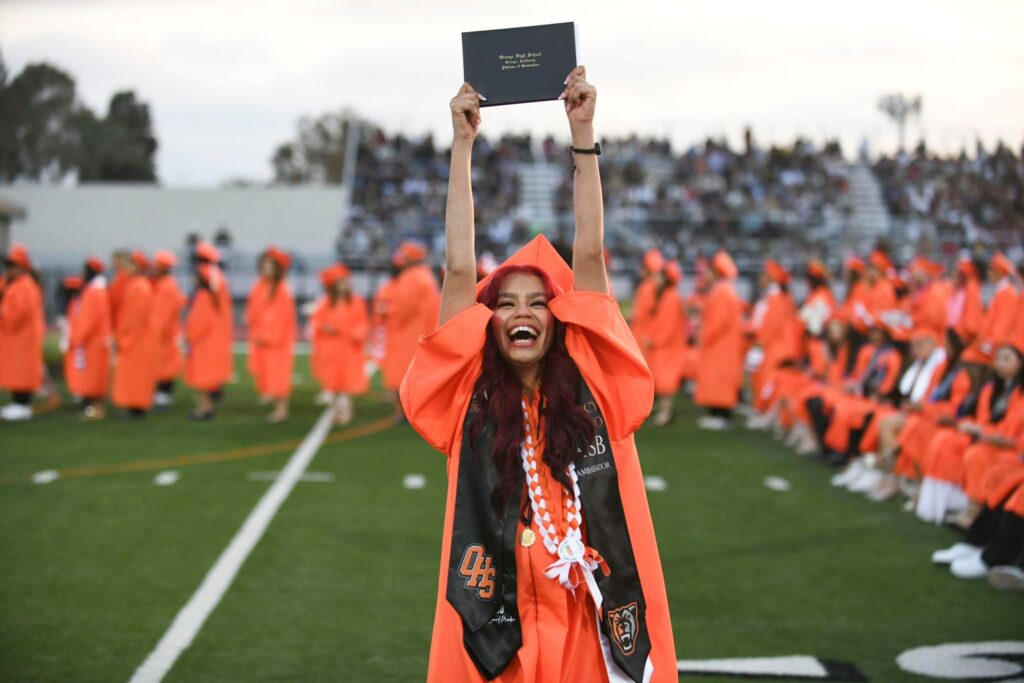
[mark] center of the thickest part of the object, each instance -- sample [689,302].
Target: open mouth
[523,335]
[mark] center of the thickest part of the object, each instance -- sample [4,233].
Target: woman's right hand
[465,108]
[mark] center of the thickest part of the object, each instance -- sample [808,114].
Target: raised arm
[458,290]
[588,204]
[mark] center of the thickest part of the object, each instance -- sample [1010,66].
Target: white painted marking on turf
[964,660]
[166,478]
[655,483]
[193,615]
[777,483]
[45,476]
[315,477]
[414,481]
[796,665]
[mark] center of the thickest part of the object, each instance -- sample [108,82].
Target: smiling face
[1007,362]
[522,324]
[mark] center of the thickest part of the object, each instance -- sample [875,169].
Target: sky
[227,80]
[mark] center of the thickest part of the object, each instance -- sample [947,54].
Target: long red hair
[567,428]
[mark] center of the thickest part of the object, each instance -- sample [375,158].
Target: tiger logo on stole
[622,623]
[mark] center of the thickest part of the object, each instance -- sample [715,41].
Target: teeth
[523,328]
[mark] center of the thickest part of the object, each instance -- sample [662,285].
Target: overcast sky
[227,79]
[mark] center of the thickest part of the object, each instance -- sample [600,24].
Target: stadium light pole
[899,108]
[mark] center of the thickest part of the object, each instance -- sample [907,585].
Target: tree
[38,138]
[317,154]
[121,146]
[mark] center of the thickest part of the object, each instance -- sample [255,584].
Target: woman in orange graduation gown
[340,326]
[411,311]
[271,316]
[720,374]
[168,302]
[21,335]
[88,366]
[203,332]
[224,360]
[535,371]
[135,336]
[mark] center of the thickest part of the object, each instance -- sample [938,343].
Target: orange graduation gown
[87,363]
[167,304]
[135,373]
[412,307]
[203,332]
[720,373]
[339,334]
[560,639]
[272,331]
[22,328]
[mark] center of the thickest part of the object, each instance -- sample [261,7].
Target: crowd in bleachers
[911,387]
[967,199]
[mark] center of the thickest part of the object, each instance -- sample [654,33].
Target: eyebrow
[512,295]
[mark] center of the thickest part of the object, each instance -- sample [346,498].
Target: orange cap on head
[1014,342]
[208,252]
[72,283]
[1001,264]
[816,268]
[408,252]
[966,267]
[880,260]
[673,272]
[94,264]
[854,264]
[776,272]
[927,332]
[140,260]
[332,274]
[165,259]
[18,255]
[654,262]
[283,260]
[540,253]
[919,264]
[936,269]
[723,264]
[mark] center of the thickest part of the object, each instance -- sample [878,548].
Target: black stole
[481,581]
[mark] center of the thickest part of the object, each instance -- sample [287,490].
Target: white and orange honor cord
[576,562]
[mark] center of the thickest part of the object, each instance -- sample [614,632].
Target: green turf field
[341,587]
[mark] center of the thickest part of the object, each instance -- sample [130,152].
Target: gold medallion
[527,538]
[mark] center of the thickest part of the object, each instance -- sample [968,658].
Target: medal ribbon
[576,561]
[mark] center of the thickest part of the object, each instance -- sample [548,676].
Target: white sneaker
[970,567]
[161,399]
[324,398]
[954,552]
[852,471]
[758,422]
[712,423]
[15,412]
[866,481]
[1006,578]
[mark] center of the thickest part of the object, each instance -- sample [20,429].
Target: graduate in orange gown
[411,310]
[965,310]
[67,299]
[773,326]
[21,335]
[855,304]
[999,319]
[135,340]
[204,341]
[168,303]
[87,361]
[720,374]
[270,314]
[535,371]
[121,265]
[340,326]
[223,359]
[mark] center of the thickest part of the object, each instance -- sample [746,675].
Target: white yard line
[193,615]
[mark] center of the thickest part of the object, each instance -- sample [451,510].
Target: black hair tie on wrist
[595,150]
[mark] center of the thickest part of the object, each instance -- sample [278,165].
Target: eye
[505,304]
[539,302]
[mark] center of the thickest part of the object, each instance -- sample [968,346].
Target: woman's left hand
[580,98]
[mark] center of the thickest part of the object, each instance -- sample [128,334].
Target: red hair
[567,428]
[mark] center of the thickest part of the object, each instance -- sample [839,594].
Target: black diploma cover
[513,65]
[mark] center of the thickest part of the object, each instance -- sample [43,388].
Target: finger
[466,88]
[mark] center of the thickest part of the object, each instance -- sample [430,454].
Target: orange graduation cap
[654,262]
[538,252]
[1002,264]
[816,268]
[18,255]
[94,264]
[408,252]
[333,273]
[854,264]
[208,252]
[164,259]
[723,264]
[776,272]
[673,272]
[279,257]
[140,260]
[72,283]
[879,259]
[966,267]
